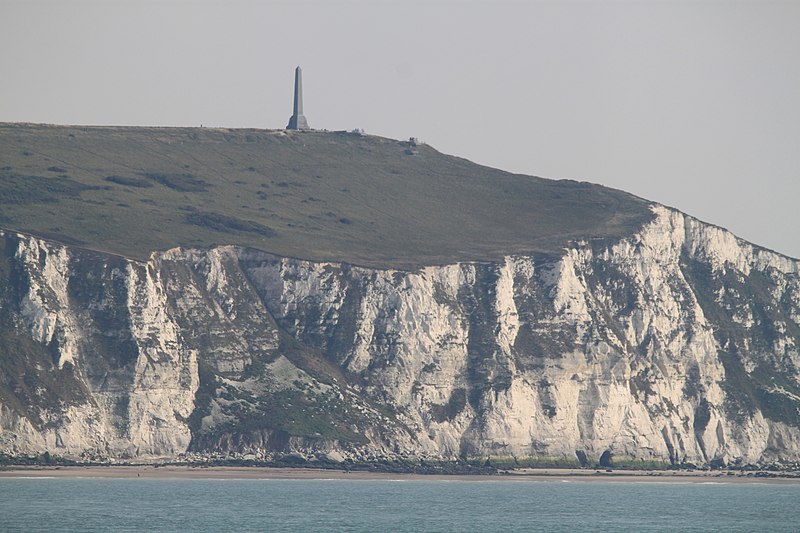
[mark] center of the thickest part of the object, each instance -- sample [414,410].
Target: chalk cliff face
[677,344]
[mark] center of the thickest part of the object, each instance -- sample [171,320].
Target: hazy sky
[692,104]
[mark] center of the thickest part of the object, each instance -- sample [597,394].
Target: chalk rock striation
[678,344]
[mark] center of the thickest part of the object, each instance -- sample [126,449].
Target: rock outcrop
[677,344]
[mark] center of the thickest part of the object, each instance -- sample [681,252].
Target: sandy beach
[522,475]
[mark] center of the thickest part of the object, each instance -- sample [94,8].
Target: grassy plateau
[331,196]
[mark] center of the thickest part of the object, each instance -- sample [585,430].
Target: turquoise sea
[214,505]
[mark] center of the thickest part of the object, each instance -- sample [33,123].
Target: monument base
[298,122]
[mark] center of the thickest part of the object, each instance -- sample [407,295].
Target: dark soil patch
[141,183]
[180,182]
[228,224]
[19,189]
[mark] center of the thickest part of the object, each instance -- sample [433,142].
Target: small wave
[28,477]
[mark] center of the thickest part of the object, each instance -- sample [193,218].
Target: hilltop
[331,196]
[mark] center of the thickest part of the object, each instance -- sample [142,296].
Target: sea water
[214,505]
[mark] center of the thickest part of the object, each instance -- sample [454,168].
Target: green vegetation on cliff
[314,195]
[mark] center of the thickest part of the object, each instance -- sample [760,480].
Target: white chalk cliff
[678,344]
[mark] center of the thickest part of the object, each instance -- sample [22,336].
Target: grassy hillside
[316,195]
